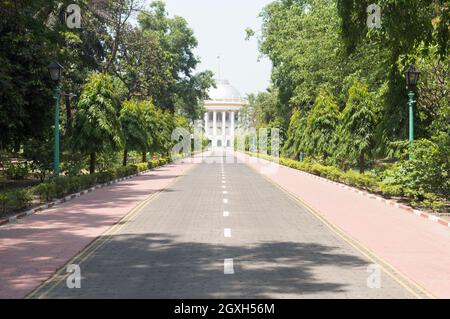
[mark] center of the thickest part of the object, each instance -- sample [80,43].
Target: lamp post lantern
[412,77]
[55,70]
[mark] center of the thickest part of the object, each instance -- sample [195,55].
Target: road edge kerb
[425,215]
[39,209]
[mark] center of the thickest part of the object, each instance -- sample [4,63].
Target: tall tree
[322,122]
[97,127]
[358,125]
[178,42]
[26,47]
[135,119]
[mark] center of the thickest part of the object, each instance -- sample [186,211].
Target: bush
[14,201]
[106,176]
[390,190]
[141,167]
[359,180]
[332,173]
[87,181]
[124,171]
[45,191]
[17,171]
[62,185]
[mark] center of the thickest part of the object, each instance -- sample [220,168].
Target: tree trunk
[361,163]
[125,157]
[92,163]
[144,157]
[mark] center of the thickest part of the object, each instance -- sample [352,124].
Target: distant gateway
[222,114]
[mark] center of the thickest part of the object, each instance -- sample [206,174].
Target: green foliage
[14,201]
[357,130]
[302,41]
[45,191]
[135,118]
[26,47]
[404,23]
[107,176]
[322,123]
[17,171]
[427,172]
[40,152]
[97,128]
[184,91]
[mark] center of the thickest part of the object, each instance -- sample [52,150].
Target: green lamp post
[412,77]
[55,70]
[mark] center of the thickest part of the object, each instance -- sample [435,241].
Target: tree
[322,122]
[302,40]
[186,90]
[135,118]
[97,127]
[26,101]
[192,93]
[358,125]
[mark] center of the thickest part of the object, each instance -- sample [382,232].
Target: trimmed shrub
[359,180]
[14,201]
[45,191]
[141,167]
[105,176]
[62,186]
[87,181]
[389,190]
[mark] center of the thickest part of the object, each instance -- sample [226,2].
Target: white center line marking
[225,201]
[226,214]
[228,267]
[227,233]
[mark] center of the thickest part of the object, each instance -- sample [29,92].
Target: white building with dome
[221,118]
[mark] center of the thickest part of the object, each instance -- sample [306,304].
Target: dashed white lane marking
[225,201]
[227,233]
[226,214]
[224,182]
[228,267]
[224,186]
[225,192]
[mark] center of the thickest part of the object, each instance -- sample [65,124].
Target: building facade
[222,116]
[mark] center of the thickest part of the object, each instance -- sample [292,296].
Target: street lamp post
[55,70]
[412,77]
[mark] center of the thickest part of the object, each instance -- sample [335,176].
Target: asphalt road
[223,231]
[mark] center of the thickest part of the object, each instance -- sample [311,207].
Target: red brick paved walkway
[416,247]
[32,250]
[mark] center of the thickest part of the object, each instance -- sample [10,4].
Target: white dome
[224,92]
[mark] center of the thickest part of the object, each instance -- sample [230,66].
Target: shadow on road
[159,266]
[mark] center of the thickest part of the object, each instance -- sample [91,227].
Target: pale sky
[219,26]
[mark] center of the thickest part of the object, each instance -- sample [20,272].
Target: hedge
[47,191]
[368,181]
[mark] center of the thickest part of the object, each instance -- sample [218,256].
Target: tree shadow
[160,266]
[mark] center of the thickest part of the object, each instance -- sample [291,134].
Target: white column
[214,141]
[232,129]
[224,131]
[206,123]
